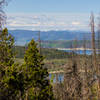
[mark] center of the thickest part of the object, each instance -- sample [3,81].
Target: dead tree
[72,82]
[98,35]
[94,60]
[85,88]
[93,42]
[3,16]
[98,46]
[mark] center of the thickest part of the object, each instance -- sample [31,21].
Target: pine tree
[6,48]
[6,58]
[26,82]
[38,85]
[12,77]
[6,51]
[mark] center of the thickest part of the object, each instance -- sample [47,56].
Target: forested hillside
[46,52]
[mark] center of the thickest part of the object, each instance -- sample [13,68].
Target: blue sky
[53,6]
[51,14]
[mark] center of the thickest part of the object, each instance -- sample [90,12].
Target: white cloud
[76,23]
[46,22]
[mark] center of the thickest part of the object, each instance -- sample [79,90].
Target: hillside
[24,36]
[47,53]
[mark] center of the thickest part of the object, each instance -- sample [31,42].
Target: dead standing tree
[72,79]
[98,46]
[94,60]
[72,82]
[85,80]
[98,38]
[3,16]
[93,41]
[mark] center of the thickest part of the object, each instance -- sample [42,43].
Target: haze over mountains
[24,36]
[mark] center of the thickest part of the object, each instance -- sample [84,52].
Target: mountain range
[22,37]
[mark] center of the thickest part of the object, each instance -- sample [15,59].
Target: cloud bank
[46,22]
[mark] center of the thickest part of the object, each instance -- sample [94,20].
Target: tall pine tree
[38,85]
[6,59]
[6,48]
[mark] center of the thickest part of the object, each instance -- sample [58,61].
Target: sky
[51,14]
[53,6]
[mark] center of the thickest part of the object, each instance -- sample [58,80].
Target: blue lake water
[88,52]
[56,77]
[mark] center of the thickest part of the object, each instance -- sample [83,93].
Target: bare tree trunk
[3,16]
[96,69]
[98,53]
[84,75]
[93,42]
[98,35]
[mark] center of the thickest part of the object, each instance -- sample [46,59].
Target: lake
[56,77]
[88,52]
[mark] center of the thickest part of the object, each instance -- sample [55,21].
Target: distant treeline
[46,52]
[66,43]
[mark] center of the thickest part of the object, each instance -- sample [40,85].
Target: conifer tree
[6,58]
[6,51]
[26,82]
[6,48]
[38,85]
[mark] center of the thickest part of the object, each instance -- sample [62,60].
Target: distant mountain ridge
[24,36]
